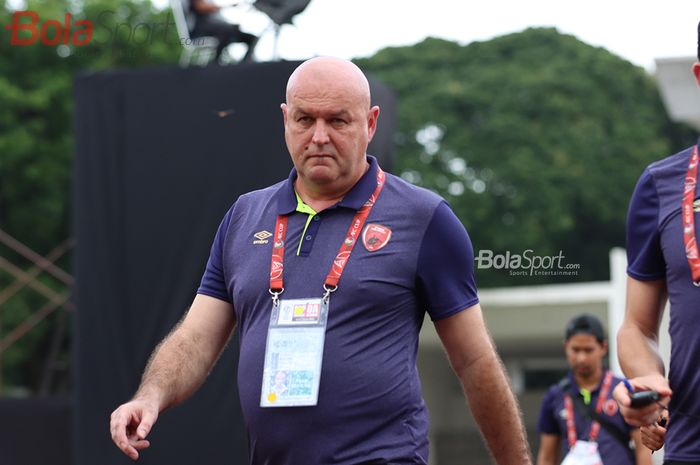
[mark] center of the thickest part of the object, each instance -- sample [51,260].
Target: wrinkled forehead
[325,102]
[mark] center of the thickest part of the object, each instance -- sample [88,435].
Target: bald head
[323,75]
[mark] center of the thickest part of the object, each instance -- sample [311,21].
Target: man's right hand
[647,415]
[130,424]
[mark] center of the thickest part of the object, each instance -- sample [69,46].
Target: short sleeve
[213,281]
[644,256]
[445,271]
[547,421]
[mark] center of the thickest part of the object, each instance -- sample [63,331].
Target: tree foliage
[36,145]
[535,138]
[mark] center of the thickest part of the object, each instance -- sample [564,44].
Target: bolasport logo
[527,263]
[27,28]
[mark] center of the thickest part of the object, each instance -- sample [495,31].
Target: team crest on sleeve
[375,236]
[610,407]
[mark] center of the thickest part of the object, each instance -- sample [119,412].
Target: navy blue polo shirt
[370,407]
[552,420]
[655,250]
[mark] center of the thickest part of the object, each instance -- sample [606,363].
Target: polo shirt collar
[355,199]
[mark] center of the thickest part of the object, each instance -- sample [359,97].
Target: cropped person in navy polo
[664,265]
[328,276]
[588,386]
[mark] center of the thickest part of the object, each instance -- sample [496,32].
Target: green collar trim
[303,208]
[586,394]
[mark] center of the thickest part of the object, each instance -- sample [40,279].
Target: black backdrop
[160,156]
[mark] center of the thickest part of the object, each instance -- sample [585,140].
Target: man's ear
[372,118]
[283,106]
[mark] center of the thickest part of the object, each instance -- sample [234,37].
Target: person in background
[209,23]
[578,415]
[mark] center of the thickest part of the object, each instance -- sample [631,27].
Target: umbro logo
[261,237]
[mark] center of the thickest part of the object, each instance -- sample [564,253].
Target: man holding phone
[664,265]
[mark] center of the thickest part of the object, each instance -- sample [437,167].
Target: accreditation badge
[583,453]
[294,353]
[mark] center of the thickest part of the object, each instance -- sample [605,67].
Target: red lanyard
[341,259]
[595,426]
[570,426]
[691,245]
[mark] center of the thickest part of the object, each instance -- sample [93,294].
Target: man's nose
[320,136]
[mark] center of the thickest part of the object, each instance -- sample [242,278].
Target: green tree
[536,139]
[36,145]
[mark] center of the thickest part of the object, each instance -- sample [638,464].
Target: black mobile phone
[642,398]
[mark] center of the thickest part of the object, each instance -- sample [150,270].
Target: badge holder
[294,353]
[583,453]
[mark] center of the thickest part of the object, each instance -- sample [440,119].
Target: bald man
[334,301]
